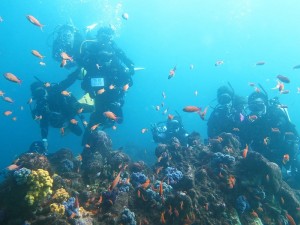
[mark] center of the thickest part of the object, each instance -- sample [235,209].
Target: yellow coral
[57,208]
[40,186]
[61,195]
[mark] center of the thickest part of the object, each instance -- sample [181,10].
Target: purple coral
[173,175]
[70,207]
[242,205]
[138,179]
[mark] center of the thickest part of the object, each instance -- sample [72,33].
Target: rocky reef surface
[213,184]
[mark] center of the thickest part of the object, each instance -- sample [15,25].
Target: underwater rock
[194,139]
[92,164]
[138,166]
[118,158]
[99,141]
[34,161]
[160,149]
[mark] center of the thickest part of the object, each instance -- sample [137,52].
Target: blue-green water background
[158,35]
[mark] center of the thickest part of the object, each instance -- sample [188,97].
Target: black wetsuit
[224,118]
[57,110]
[108,69]
[272,134]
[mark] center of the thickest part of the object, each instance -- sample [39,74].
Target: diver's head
[173,125]
[105,34]
[224,95]
[66,35]
[37,147]
[257,103]
[38,90]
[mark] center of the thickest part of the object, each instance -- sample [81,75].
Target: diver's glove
[45,144]
[81,73]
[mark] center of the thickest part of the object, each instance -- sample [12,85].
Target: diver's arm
[66,83]
[122,56]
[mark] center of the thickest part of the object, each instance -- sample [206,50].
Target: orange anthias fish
[125,87]
[12,167]
[162,218]
[37,54]
[110,115]
[245,151]
[117,179]
[66,93]
[191,109]
[11,77]
[231,181]
[34,21]
[203,114]
[73,121]
[94,127]
[65,56]
[8,99]
[172,73]
[7,113]
[285,159]
[290,219]
[63,63]
[146,184]
[170,117]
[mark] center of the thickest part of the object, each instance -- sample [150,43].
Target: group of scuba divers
[103,69]
[261,123]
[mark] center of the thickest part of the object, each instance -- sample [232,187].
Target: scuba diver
[56,107]
[268,130]
[107,75]
[163,132]
[228,114]
[39,147]
[67,38]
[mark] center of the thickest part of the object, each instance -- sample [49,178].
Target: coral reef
[21,175]
[40,186]
[194,184]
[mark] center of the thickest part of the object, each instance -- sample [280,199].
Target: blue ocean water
[158,35]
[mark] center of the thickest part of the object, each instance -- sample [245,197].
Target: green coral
[57,208]
[61,195]
[40,186]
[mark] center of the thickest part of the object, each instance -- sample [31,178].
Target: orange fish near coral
[245,151]
[13,78]
[117,179]
[231,181]
[34,21]
[290,219]
[285,159]
[37,54]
